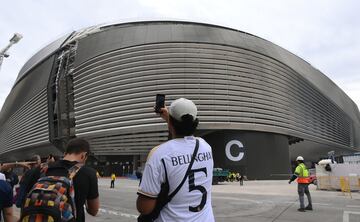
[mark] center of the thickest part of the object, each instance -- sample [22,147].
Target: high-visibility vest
[303,174]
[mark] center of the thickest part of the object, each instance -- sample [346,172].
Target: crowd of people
[63,189]
[35,195]
[68,184]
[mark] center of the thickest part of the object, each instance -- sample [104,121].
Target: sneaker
[301,209]
[308,208]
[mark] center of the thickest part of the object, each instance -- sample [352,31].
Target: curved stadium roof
[282,92]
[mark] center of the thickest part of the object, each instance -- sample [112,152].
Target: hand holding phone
[159,103]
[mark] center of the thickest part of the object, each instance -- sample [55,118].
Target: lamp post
[3,53]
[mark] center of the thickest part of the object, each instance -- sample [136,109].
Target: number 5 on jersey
[193,187]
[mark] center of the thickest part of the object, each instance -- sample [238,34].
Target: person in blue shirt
[6,200]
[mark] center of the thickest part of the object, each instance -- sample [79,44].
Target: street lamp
[3,53]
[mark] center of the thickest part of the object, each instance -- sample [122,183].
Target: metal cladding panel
[26,89]
[127,143]
[41,56]
[24,115]
[234,88]
[27,126]
[130,34]
[239,82]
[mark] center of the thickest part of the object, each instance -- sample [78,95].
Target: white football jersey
[193,201]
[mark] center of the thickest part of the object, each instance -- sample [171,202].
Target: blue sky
[324,33]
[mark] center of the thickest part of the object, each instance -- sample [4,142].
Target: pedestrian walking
[176,182]
[241,180]
[78,181]
[28,179]
[303,179]
[113,178]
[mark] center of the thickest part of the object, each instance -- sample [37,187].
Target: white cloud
[324,33]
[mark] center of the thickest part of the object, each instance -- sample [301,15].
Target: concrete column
[142,161]
[135,163]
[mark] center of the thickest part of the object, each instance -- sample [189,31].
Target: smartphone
[160,102]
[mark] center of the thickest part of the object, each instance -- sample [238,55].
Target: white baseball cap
[2,176]
[181,107]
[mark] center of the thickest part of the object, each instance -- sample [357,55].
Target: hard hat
[299,158]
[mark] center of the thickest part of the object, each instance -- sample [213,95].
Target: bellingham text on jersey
[185,159]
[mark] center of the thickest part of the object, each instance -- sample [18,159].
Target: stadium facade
[259,105]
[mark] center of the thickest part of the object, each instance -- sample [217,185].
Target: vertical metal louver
[61,97]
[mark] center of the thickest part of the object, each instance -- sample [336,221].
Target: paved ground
[256,201]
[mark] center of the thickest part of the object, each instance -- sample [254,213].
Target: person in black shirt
[85,181]
[28,180]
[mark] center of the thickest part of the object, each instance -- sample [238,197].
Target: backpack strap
[187,172]
[166,177]
[74,170]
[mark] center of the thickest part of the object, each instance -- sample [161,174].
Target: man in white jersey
[192,202]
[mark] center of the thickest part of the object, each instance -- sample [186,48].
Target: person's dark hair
[77,145]
[52,156]
[186,127]
[36,158]
[300,161]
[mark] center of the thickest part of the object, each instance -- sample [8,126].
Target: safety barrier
[346,184]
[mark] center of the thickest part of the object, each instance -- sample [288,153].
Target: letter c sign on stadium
[239,146]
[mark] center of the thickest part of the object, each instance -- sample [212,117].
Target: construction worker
[231,176]
[302,175]
[113,178]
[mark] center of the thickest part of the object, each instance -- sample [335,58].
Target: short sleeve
[93,185]
[297,170]
[152,178]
